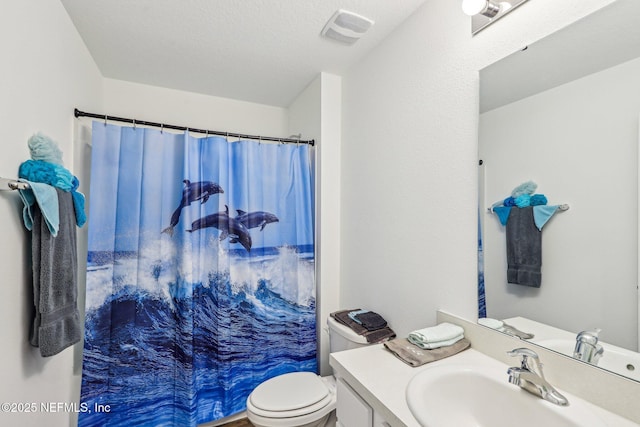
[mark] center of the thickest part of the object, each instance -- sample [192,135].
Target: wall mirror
[564,113]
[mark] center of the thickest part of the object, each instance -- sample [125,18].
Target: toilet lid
[289,392]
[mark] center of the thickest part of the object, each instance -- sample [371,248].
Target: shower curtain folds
[200,275]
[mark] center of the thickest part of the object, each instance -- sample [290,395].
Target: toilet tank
[342,337]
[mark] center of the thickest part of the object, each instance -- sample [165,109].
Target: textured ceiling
[263,51]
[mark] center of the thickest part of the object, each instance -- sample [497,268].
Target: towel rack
[12,184]
[563,207]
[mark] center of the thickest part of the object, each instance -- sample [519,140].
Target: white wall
[578,142]
[317,114]
[46,72]
[156,104]
[409,159]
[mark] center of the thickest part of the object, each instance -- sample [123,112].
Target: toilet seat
[292,399]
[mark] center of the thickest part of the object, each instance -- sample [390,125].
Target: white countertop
[381,379]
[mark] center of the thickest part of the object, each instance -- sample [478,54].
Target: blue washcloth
[538,199]
[47,199]
[59,177]
[542,214]
[503,213]
[353,315]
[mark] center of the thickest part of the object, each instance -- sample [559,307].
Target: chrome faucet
[587,347]
[529,377]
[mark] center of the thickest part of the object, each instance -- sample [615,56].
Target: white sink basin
[614,359]
[470,395]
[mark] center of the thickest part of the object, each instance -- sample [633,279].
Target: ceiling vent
[346,27]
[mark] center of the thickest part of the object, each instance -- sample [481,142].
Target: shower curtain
[200,275]
[482,302]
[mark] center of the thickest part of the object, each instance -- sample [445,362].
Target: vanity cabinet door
[378,421]
[351,409]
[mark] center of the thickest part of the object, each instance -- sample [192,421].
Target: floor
[239,423]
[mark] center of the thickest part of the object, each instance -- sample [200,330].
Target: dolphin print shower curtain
[200,277]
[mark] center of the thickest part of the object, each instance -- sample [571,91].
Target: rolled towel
[509,201]
[523,200]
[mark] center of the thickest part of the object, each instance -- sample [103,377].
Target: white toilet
[301,399]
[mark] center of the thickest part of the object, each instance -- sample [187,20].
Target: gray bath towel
[524,248]
[56,323]
[415,356]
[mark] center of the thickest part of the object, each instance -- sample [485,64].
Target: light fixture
[346,27]
[485,12]
[483,7]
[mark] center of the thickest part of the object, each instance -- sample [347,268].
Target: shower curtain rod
[105,117]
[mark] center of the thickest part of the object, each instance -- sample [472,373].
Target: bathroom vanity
[378,382]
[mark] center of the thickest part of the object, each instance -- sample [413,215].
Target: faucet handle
[526,355]
[523,352]
[589,337]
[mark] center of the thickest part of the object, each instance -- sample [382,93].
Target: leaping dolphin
[229,227]
[191,192]
[255,219]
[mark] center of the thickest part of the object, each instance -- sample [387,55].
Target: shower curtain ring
[134,124]
[105,119]
[161,127]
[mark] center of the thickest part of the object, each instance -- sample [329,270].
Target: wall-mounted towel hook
[11,184]
[563,207]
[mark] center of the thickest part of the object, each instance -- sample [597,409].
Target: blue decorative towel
[542,214]
[538,199]
[57,176]
[46,197]
[48,173]
[78,205]
[503,213]
[509,201]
